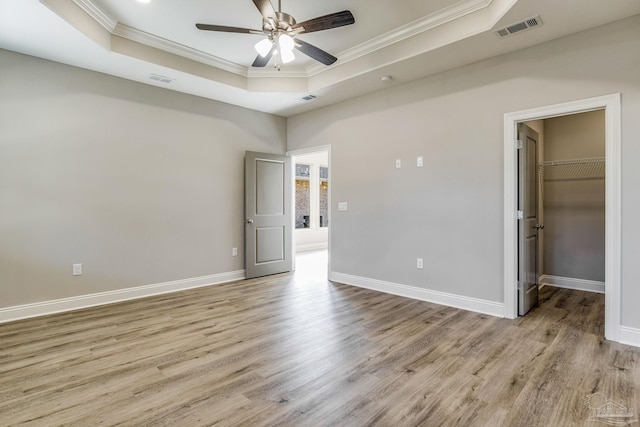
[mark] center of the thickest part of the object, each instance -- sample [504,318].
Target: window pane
[303,171]
[303,196]
[324,196]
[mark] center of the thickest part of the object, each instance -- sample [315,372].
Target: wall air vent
[518,27]
[161,79]
[308,98]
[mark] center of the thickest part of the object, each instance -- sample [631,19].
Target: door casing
[613,201]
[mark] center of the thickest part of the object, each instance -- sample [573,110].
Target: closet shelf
[572,169]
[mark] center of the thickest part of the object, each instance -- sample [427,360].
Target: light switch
[398,163]
[77,269]
[342,206]
[420,161]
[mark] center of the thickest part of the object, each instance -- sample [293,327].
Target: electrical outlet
[234,251]
[420,161]
[419,264]
[77,269]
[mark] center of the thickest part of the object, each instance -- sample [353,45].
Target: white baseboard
[312,247]
[9,314]
[451,300]
[570,283]
[630,336]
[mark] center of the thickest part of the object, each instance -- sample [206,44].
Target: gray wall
[139,184]
[450,211]
[574,208]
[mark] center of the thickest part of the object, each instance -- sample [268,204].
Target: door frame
[613,191]
[301,152]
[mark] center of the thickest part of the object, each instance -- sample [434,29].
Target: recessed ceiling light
[144,1]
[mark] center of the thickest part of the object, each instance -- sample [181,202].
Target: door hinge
[518,144]
[520,215]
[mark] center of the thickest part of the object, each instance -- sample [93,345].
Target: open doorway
[610,105]
[571,194]
[311,194]
[566,224]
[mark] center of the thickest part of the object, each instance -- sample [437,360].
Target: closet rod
[573,161]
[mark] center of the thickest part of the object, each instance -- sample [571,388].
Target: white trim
[98,15]
[311,150]
[440,17]
[272,72]
[571,283]
[183,51]
[436,297]
[83,301]
[455,11]
[630,336]
[312,247]
[611,105]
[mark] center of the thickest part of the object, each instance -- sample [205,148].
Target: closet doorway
[610,106]
[571,194]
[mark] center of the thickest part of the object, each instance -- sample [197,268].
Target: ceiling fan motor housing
[284,23]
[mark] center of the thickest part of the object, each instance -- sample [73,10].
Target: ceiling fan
[282,30]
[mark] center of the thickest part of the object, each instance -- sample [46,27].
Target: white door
[268,216]
[528,226]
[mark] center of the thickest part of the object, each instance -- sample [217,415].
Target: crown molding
[453,12]
[272,73]
[448,14]
[168,46]
[147,39]
[98,15]
[151,40]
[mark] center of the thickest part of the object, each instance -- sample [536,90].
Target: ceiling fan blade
[266,8]
[262,62]
[333,20]
[208,27]
[315,53]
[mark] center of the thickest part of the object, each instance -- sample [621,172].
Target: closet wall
[573,196]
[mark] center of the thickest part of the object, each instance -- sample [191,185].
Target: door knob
[249,221]
[539,226]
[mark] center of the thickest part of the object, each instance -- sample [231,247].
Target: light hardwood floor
[296,350]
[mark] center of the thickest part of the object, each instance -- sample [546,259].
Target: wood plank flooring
[296,350]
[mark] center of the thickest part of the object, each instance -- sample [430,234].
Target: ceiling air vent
[309,98]
[161,79]
[519,27]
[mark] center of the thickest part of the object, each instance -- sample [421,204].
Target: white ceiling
[406,39]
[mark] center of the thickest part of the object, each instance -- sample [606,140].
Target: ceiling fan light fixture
[287,56]
[286,42]
[263,47]
[285,46]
